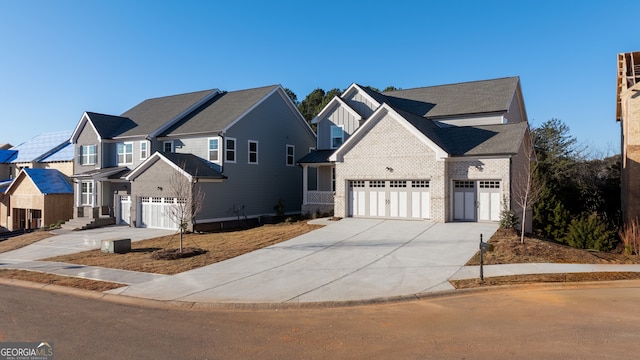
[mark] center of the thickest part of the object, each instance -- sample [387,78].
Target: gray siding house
[443,153]
[238,148]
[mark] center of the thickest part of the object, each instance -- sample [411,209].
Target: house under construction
[628,114]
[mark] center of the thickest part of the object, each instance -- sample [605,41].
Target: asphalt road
[527,323]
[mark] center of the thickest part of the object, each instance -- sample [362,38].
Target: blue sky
[61,58]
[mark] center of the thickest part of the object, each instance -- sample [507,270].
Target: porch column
[305,183]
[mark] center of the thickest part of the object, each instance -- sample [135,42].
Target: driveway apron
[350,259]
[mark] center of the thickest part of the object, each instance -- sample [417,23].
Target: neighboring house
[50,151]
[5,163]
[628,114]
[36,198]
[444,153]
[239,148]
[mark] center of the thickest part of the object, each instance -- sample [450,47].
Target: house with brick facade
[238,148]
[442,153]
[628,115]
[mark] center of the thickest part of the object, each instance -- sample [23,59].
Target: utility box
[117,246]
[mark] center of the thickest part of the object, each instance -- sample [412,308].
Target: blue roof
[66,153]
[7,155]
[49,181]
[41,145]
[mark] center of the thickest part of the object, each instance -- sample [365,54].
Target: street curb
[205,306]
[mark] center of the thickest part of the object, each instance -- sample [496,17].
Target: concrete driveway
[70,242]
[351,259]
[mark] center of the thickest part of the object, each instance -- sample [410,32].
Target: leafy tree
[391,88]
[292,96]
[310,103]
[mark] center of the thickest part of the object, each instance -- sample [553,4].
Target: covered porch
[319,183]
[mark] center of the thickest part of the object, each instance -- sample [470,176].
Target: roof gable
[188,165]
[47,181]
[381,112]
[332,105]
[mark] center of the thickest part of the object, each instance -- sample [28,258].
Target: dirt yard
[22,240]
[509,250]
[219,246]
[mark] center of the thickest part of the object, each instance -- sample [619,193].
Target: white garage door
[476,200]
[155,212]
[403,199]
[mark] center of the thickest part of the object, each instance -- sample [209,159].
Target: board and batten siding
[360,104]
[338,116]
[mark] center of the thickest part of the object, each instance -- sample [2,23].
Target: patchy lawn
[219,246]
[509,250]
[17,242]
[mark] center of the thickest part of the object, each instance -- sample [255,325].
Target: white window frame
[89,193]
[164,146]
[291,156]
[228,151]
[125,153]
[87,158]
[217,150]
[331,137]
[144,149]
[249,152]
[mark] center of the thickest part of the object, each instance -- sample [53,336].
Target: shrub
[590,232]
[630,236]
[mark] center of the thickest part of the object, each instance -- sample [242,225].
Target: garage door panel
[495,207]
[156,213]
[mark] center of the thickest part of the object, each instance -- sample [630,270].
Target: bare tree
[528,187]
[188,202]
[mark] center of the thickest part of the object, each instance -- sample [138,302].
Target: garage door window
[420,184]
[397,184]
[460,184]
[376,183]
[489,184]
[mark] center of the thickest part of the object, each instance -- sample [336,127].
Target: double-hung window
[253,152]
[144,150]
[88,155]
[291,155]
[125,153]
[230,150]
[214,150]
[337,136]
[86,193]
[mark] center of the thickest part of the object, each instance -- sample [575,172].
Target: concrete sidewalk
[473,272]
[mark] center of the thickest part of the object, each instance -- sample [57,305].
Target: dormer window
[337,136]
[167,146]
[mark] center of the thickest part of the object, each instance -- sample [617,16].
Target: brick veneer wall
[389,144]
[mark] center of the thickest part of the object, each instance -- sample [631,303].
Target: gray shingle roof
[151,114]
[110,126]
[194,166]
[483,140]
[475,97]
[219,112]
